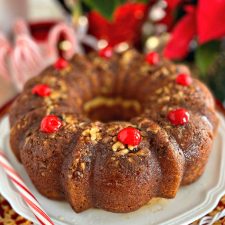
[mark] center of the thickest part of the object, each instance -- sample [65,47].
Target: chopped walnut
[118,146]
[165,71]
[66,71]
[154,129]
[55,95]
[130,147]
[164,99]
[142,152]
[93,133]
[122,152]
[69,119]
[82,166]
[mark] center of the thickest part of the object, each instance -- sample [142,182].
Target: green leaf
[143,1]
[105,8]
[206,55]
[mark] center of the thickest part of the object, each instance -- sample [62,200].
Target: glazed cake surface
[92,101]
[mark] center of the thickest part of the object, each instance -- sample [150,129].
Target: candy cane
[26,59]
[5,50]
[25,193]
[20,27]
[54,36]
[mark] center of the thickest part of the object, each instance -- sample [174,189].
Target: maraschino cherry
[152,58]
[178,116]
[50,124]
[61,64]
[183,79]
[129,136]
[106,52]
[42,90]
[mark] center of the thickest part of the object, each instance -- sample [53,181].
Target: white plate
[191,203]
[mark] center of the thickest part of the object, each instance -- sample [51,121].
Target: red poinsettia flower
[205,21]
[125,25]
[210,20]
[181,36]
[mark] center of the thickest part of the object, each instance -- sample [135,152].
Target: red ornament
[152,58]
[42,90]
[178,116]
[106,52]
[183,79]
[129,136]
[50,124]
[61,64]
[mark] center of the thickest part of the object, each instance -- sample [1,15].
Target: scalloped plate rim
[210,202]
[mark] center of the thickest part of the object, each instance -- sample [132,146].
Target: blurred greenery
[215,77]
[206,55]
[107,8]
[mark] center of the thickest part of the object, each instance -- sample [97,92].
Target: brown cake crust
[83,162]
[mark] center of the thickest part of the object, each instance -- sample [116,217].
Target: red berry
[60,64]
[152,58]
[183,79]
[50,124]
[106,52]
[129,136]
[178,116]
[42,90]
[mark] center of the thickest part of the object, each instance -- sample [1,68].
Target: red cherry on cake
[183,79]
[61,64]
[106,52]
[152,58]
[178,116]
[50,124]
[129,136]
[42,90]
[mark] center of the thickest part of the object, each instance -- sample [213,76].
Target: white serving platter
[191,203]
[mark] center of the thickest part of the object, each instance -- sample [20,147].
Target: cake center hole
[112,109]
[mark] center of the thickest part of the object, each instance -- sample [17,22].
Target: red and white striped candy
[5,49]
[25,193]
[26,59]
[54,36]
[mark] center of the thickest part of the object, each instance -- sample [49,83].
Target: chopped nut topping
[66,70]
[48,101]
[130,147]
[128,56]
[93,133]
[164,99]
[154,129]
[49,109]
[118,146]
[159,91]
[122,152]
[69,119]
[82,166]
[165,71]
[142,152]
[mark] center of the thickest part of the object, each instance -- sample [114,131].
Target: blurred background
[34,33]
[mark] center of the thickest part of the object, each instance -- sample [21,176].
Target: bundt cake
[112,131]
